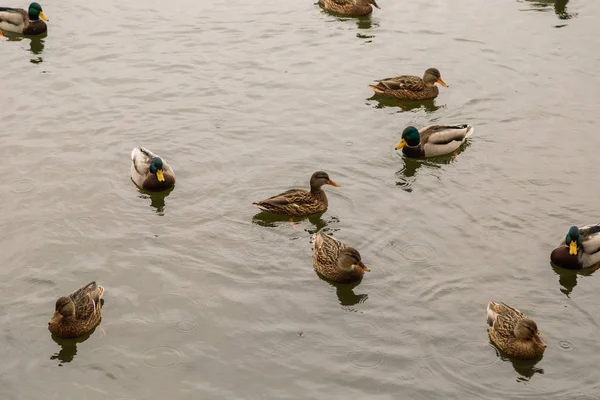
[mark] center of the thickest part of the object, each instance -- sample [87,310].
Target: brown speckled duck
[300,202]
[149,171]
[408,87]
[77,313]
[513,332]
[17,20]
[579,249]
[351,8]
[336,262]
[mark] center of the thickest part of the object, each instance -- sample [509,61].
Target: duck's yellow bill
[441,82]
[573,248]
[43,16]
[401,144]
[160,176]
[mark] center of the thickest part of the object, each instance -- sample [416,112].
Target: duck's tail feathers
[376,88]
[491,313]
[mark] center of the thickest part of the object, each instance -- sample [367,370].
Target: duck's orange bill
[441,82]
[332,183]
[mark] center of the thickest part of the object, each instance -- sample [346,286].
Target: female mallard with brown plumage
[300,202]
[149,171]
[336,262]
[17,20]
[579,249]
[513,332]
[77,313]
[408,87]
[433,140]
[351,8]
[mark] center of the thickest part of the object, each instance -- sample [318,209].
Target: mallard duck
[17,20]
[149,171]
[335,261]
[433,140]
[299,202]
[579,249]
[513,332]
[77,313]
[408,87]
[352,8]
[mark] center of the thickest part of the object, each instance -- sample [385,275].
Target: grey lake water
[206,298]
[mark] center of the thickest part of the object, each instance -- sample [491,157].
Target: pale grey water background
[246,99]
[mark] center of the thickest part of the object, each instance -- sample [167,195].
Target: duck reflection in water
[525,368]
[68,349]
[405,105]
[560,7]
[157,199]
[36,45]
[273,220]
[406,177]
[345,292]
[567,278]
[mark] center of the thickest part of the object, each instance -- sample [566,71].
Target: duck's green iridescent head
[35,12]
[410,136]
[156,167]
[573,240]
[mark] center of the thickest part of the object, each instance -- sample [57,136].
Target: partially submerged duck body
[78,313]
[351,8]
[300,202]
[433,140]
[335,261]
[579,249]
[149,171]
[513,332]
[409,87]
[17,20]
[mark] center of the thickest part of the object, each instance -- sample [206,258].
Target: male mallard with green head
[17,20]
[78,313]
[350,8]
[579,249]
[149,171]
[513,332]
[409,87]
[335,261]
[300,202]
[433,140]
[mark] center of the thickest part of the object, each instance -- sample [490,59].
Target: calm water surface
[207,299]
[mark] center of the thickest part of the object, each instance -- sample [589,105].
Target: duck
[513,332]
[335,261]
[351,8]
[149,171]
[579,249]
[77,313]
[17,20]
[300,202]
[409,87]
[433,140]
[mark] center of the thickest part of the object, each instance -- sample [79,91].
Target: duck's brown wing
[292,196]
[503,318]
[326,249]
[403,82]
[87,300]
